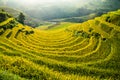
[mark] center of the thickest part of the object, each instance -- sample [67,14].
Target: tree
[3,17]
[21,18]
[2,10]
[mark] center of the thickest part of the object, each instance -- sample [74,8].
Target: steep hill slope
[28,20]
[87,51]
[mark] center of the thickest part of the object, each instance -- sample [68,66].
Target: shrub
[108,19]
[81,33]
[3,17]
[9,35]
[5,27]
[85,35]
[9,25]
[90,29]
[96,35]
[17,33]
[97,22]
[106,28]
[104,39]
[1,31]
[29,32]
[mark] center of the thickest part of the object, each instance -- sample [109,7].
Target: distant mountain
[62,8]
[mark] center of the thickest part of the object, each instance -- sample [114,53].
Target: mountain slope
[86,51]
[28,20]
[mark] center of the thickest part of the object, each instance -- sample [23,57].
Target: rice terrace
[59,49]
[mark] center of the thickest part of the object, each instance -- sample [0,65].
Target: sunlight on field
[68,51]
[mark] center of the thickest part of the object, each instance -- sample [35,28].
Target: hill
[28,20]
[81,51]
[77,19]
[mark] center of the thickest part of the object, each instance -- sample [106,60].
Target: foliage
[113,18]
[21,18]
[28,20]
[29,32]
[1,31]
[4,75]
[4,16]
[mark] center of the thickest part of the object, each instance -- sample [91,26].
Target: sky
[40,1]
[37,2]
[48,1]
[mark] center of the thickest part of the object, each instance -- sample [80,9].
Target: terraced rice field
[87,51]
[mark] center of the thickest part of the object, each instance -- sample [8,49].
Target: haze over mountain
[55,9]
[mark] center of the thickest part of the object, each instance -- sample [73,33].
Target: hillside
[28,20]
[81,51]
[77,19]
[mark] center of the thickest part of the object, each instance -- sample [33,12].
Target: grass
[4,75]
[68,51]
[62,25]
[54,26]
